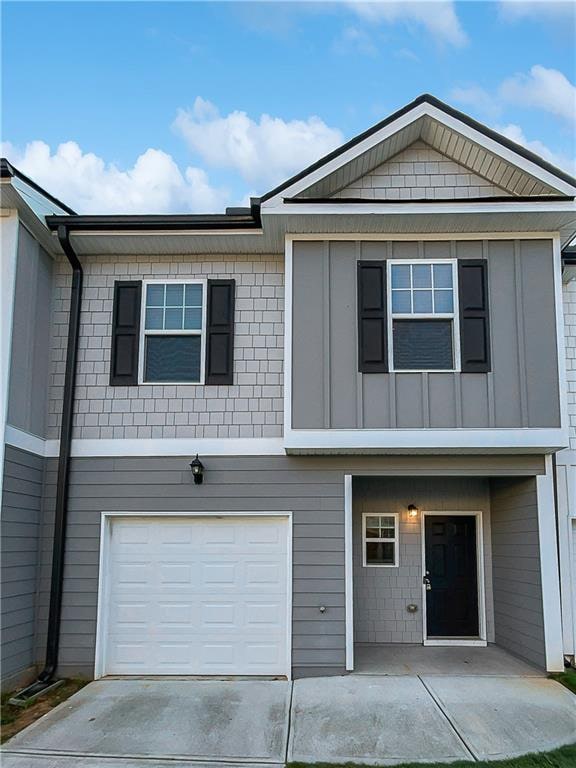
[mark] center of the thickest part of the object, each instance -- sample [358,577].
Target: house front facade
[369,366]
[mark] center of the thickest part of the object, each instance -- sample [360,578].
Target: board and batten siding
[311,487]
[520,391]
[518,610]
[19,529]
[30,349]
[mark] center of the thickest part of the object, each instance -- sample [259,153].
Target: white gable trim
[405,120]
[449,206]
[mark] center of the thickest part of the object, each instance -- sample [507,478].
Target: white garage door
[197,596]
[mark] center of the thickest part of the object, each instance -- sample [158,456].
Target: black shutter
[220,332]
[372,320]
[125,333]
[474,321]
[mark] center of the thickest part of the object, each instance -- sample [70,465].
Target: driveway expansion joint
[447,717]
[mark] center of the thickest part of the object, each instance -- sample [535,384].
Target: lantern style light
[197,470]
[412,510]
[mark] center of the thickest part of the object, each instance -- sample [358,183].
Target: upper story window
[423,315]
[173,332]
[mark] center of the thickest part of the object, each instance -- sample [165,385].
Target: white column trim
[549,572]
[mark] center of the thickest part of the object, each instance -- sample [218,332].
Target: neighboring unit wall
[382,594]
[251,407]
[520,391]
[518,612]
[20,525]
[27,398]
[569,305]
[420,172]
[566,480]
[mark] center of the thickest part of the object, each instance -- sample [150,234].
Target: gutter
[152,222]
[45,679]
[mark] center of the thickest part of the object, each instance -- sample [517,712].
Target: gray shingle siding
[312,487]
[251,407]
[20,527]
[420,171]
[382,594]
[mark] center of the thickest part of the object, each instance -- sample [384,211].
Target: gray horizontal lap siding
[312,488]
[313,491]
[19,528]
[516,569]
[520,391]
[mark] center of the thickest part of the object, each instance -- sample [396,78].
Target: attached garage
[201,595]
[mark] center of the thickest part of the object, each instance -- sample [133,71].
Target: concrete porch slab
[183,719]
[506,717]
[400,659]
[370,720]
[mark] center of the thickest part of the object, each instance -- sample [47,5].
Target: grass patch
[15,719]
[567,678]
[565,757]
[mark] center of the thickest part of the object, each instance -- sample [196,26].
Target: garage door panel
[198,596]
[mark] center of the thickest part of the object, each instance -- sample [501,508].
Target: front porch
[450,576]
[401,659]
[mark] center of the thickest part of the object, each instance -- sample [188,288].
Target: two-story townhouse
[368,364]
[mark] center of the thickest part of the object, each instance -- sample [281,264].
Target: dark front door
[451,574]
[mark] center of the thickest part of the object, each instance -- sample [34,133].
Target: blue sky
[147,106]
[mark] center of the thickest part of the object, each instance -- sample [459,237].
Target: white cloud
[546,89]
[514,10]
[477,97]
[264,151]
[437,16]
[354,40]
[515,133]
[541,88]
[88,184]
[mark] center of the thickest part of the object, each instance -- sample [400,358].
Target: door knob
[427,584]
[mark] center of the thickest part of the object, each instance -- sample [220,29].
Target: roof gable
[420,172]
[478,149]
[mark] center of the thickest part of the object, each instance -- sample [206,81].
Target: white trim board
[347,209]
[401,236]
[549,569]
[480,579]
[521,440]
[103,587]
[177,446]
[349,572]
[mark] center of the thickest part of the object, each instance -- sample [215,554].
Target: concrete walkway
[379,720]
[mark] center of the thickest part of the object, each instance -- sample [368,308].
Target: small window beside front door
[380,540]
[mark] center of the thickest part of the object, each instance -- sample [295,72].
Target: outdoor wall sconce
[412,510]
[197,470]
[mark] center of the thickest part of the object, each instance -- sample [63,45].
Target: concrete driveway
[374,720]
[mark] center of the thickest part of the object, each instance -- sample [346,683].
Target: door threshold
[462,641]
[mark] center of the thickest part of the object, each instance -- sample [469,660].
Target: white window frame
[454,316]
[395,540]
[176,332]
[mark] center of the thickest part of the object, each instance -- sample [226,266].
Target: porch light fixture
[412,510]
[197,470]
